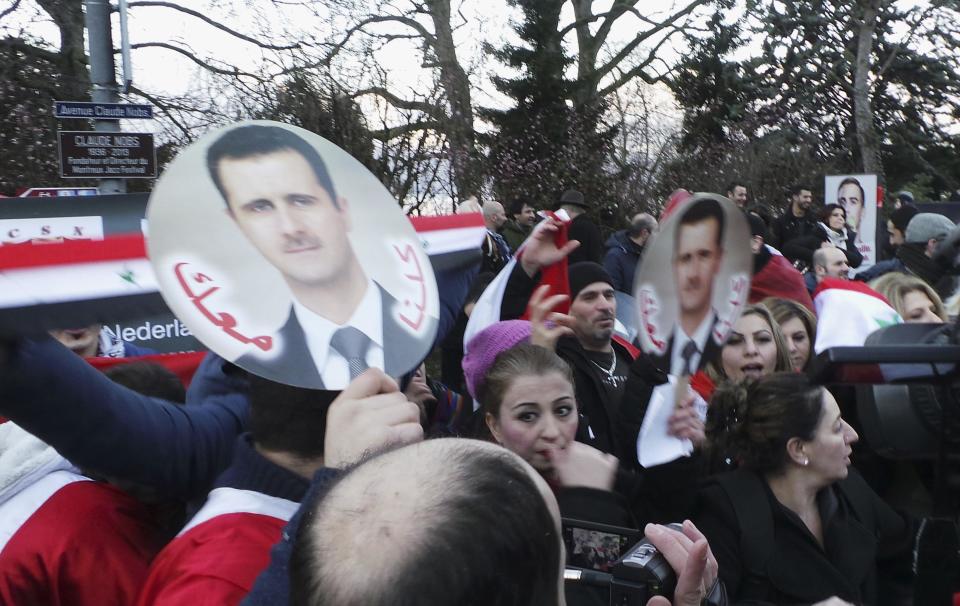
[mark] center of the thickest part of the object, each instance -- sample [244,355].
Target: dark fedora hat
[572,196]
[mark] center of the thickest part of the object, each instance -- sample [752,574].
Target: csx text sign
[107,155]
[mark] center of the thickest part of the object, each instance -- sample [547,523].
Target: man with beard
[796,222]
[600,364]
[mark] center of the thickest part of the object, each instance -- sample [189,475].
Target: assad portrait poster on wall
[285,255]
[857,194]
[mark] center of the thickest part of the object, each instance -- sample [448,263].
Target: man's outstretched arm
[97,424]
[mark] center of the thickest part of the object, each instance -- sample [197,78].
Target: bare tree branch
[235,72]
[12,8]
[669,22]
[212,22]
[427,108]
[163,107]
[393,132]
[19,44]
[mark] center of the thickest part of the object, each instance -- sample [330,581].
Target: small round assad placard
[693,283]
[285,255]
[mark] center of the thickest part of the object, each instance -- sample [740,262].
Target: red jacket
[778,278]
[216,558]
[75,542]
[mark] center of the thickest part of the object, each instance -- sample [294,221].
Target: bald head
[641,227]
[830,262]
[439,522]
[493,215]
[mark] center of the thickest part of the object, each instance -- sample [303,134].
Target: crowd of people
[453,488]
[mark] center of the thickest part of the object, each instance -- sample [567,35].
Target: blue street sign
[102,111]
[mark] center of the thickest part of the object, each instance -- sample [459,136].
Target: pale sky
[160,70]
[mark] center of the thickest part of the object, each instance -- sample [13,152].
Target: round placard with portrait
[693,283]
[285,255]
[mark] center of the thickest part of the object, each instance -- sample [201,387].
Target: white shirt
[367,318]
[680,339]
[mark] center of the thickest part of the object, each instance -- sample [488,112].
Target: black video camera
[617,561]
[620,564]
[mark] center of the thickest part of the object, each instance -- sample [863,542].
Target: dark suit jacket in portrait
[295,362]
[711,350]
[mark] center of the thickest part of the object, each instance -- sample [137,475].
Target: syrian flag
[57,284]
[75,283]
[451,241]
[848,311]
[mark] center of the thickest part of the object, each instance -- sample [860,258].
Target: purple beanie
[486,345]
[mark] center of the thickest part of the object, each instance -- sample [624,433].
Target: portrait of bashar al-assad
[850,196]
[697,256]
[276,190]
[686,312]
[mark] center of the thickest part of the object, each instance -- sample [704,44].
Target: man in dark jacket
[797,221]
[519,225]
[624,250]
[582,228]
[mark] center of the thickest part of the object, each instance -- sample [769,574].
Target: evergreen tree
[802,84]
[544,144]
[713,89]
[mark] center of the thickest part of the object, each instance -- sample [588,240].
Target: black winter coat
[799,570]
[803,248]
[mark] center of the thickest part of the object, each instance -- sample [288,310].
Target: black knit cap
[901,217]
[584,274]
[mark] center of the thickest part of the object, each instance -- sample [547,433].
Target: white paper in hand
[654,445]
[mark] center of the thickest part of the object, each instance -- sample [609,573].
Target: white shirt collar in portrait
[680,339]
[367,318]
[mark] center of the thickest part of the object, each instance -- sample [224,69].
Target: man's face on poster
[850,198]
[696,262]
[280,206]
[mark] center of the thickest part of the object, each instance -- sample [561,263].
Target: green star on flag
[127,275]
[883,323]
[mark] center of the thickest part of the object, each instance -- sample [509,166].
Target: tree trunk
[464,160]
[68,17]
[868,139]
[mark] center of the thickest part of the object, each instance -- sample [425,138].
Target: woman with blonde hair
[755,348]
[913,298]
[799,328]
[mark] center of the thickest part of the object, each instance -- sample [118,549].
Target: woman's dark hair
[827,210]
[520,360]
[752,421]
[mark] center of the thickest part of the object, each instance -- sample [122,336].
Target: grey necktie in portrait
[352,345]
[687,354]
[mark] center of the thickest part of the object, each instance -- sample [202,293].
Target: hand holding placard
[369,415]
